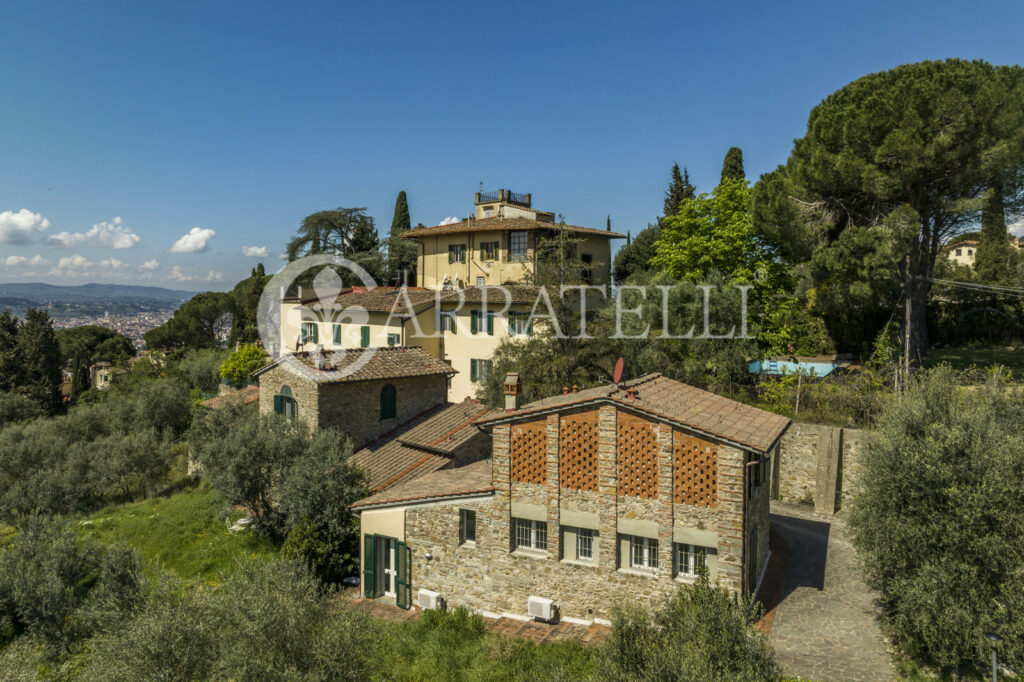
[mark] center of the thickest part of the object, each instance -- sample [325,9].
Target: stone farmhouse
[363,394]
[457,314]
[619,491]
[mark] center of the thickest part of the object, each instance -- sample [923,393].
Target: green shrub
[242,363]
[938,517]
[700,633]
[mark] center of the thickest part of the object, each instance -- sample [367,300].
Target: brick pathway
[511,627]
[825,625]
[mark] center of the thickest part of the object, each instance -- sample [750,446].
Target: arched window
[388,402]
[284,403]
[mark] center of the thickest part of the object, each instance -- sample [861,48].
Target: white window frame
[585,544]
[530,535]
[513,237]
[481,281]
[688,558]
[518,323]
[467,517]
[643,553]
[449,322]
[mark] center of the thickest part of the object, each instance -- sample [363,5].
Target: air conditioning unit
[428,599]
[541,608]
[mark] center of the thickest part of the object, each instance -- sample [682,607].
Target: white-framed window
[518,323]
[481,281]
[467,526]
[578,544]
[449,322]
[643,553]
[456,253]
[688,558]
[531,535]
[585,544]
[517,245]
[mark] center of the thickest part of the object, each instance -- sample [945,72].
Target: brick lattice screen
[530,451]
[578,441]
[694,471]
[638,457]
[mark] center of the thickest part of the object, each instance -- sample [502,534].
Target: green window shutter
[316,333]
[303,332]
[490,323]
[474,324]
[337,335]
[278,404]
[369,566]
[452,325]
[388,402]
[472,370]
[364,337]
[451,253]
[402,592]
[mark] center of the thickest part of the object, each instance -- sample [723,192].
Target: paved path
[825,628]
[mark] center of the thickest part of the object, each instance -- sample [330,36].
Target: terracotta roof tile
[512,293]
[245,396]
[381,299]
[660,396]
[391,362]
[427,443]
[471,479]
[492,224]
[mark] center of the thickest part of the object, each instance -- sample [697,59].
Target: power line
[972,286]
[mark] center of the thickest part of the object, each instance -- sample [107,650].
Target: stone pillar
[501,479]
[608,486]
[664,501]
[830,444]
[553,486]
[731,493]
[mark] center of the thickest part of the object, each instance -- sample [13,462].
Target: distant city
[128,310]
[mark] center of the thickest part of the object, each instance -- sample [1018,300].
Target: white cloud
[255,251]
[1017,228]
[19,261]
[195,241]
[113,264]
[283,256]
[112,235]
[75,262]
[177,275]
[450,220]
[18,228]
[150,265]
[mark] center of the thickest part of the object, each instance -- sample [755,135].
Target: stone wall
[796,472]
[489,576]
[352,407]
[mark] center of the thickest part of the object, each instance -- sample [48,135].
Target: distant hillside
[37,292]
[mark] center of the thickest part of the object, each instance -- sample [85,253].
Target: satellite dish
[617,376]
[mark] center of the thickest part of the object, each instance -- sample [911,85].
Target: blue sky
[128,128]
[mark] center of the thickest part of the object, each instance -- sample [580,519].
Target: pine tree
[401,251]
[39,355]
[679,190]
[732,166]
[994,260]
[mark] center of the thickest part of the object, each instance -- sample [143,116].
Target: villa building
[498,244]
[587,497]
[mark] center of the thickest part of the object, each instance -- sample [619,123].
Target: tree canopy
[202,321]
[401,251]
[732,165]
[933,136]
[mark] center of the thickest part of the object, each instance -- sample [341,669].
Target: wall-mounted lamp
[428,556]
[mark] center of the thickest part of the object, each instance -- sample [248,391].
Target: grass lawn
[963,357]
[184,533]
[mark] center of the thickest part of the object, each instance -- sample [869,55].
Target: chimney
[631,393]
[513,390]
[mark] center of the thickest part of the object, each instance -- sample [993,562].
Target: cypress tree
[732,166]
[39,355]
[608,224]
[9,366]
[401,252]
[679,190]
[994,260]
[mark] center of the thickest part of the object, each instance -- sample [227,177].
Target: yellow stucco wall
[380,324]
[463,346]
[433,265]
